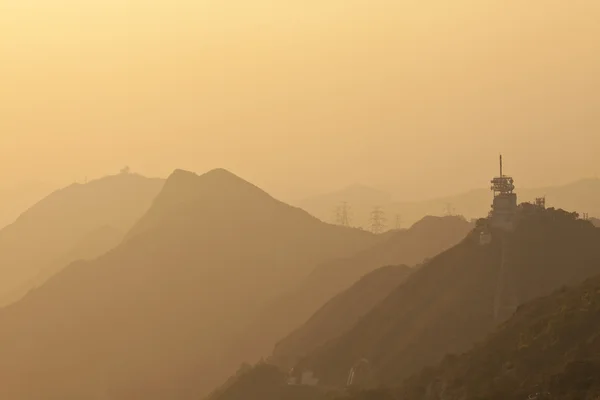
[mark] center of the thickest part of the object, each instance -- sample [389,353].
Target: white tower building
[504,207]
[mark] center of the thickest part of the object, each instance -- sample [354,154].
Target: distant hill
[460,296]
[342,312]
[78,222]
[150,318]
[94,244]
[582,196]
[550,346]
[15,199]
[425,239]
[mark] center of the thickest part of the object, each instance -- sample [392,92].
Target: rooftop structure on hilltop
[504,207]
[540,202]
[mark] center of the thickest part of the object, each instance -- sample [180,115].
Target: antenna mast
[504,207]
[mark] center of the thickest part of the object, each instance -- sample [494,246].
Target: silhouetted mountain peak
[207,239]
[70,222]
[215,194]
[221,178]
[185,186]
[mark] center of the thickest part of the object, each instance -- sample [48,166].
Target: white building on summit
[504,207]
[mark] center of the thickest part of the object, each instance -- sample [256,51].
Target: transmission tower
[343,214]
[449,209]
[398,221]
[377,220]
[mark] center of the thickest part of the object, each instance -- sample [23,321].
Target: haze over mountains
[413,282]
[417,95]
[80,221]
[457,299]
[18,198]
[582,196]
[320,297]
[150,318]
[410,247]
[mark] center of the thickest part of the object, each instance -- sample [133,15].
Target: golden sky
[302,96]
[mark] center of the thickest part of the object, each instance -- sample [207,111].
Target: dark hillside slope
[341,313]
[461,296]
[551,345]
[45,236]
[425,239]
[150,318]
[265,382]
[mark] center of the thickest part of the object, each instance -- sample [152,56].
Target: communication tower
[504,207]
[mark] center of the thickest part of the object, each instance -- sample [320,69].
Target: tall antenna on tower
[501,166]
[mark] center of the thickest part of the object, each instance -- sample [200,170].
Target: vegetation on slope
[449,304]
[551,345]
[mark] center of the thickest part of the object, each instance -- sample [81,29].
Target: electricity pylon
[377,220]
[398,221]
[343,214]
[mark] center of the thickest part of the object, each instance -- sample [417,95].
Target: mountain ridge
[341,312]
[140,320]
[43,237]
[432,313]
[327,279]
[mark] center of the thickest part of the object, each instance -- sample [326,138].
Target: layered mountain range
[81,221]
[519,308]
[151,318]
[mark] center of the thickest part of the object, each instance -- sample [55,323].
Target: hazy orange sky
[417,96]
